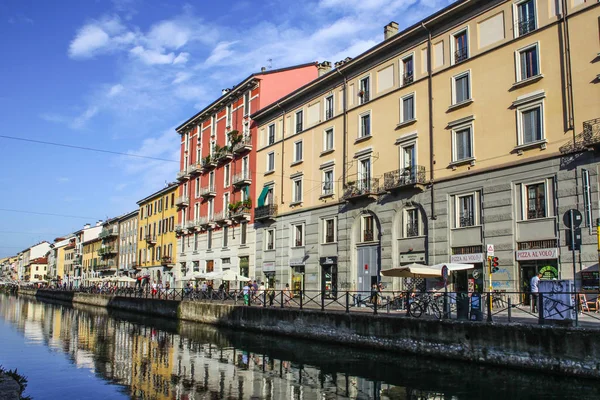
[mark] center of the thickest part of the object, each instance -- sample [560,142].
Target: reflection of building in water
[160,365]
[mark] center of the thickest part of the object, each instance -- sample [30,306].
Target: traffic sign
[573,219]
[490,250]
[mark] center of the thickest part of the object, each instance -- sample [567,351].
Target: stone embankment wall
[9,388]
[565,351]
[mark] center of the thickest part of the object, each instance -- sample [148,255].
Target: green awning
[263,196]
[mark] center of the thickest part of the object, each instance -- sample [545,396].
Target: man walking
[534,292]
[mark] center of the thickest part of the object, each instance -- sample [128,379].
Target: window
[244,229]
[530,123]
[461,88]
[213,125]
[298,235]
[197,187]
[211,181]
[412,222]
[270,242]
[211,209]
[462,143]
[329,230]
[271,162]
[209,240]
[363,90]
[227,175]
[327,182]
[364,175]
[367,234]
[328,107]
[228,117]
[407,108]
[298,151]
[225,200]
[408,160]
[525,17]
[528,63]
[407,70]
[247,103]
[196,241]
[465,215]
[198,148]
[328,139]
[225,236]
[536,201]
[365,126]
[460,46]
[299,116]
[297,190]
[271,138]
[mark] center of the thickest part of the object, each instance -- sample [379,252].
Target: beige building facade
[469,128]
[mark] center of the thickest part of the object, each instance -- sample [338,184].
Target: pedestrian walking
[246,293]
[534,292]
[271,294]
[260,293]
[287,295]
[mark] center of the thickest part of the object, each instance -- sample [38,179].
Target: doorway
[367,267]
[548,269]
[329,281]
[297,279]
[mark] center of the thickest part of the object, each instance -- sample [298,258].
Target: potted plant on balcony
[234,137]
[247,204]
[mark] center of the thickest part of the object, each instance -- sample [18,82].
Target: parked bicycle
[424,304]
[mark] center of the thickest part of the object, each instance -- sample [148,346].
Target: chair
[587,305]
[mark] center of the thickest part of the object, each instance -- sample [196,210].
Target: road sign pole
[489,265]
[573,248]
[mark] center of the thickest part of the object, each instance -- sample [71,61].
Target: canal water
[78,352]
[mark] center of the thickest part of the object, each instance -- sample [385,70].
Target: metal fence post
[282,299]
[509,308]
[540,306]
[264,298]
[322,300]
[577,305]
[375,304]
[235,297]
[301,299]
[489,307]
[347,302]
[407,302]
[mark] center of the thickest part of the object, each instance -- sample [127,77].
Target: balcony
[109,232]
[107,251]
[106,266]
[151,239]
[222,218]
[241,179]
[182,201]
[409,177]
[191,225]
[195,169]
[588,139]
[208,191]
[77,260]
[265,212]
[224,155]
[240,214]
[183,175]
[407,78]
[179,229]
[208,163]
[361,189]
[205,222]
[166,261]
[245,144]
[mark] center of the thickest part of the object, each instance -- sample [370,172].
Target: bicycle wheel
[435,310]
[415,309]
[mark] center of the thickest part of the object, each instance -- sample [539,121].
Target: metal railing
[108,232]
[243,145]
[402,177]
[328,113]
[183,174]
[363,96]
[241,178]
[182,201]
[466,219]
[590,137]
[461,55]
[536,213]
[526,25]
[360,188]
[264,212]
[558,308]
[412,229]
[208,191]
[407,78]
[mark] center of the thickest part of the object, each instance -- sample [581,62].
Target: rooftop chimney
[263,69]
[390,30]
[224,91]
[86,226]
[324,68]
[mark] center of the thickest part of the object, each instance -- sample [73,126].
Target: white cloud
[63,179]
[181,77]
[80,121]
[151,57]
[221,51]
[168,34]
[181,58]
[115,90]
[107,34]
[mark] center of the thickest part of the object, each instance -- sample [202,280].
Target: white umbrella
[126,279]
[213,275]
[451,267]
[229,275]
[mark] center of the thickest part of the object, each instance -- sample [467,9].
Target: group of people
[259,294]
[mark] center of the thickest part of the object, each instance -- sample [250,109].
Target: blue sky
[120,75]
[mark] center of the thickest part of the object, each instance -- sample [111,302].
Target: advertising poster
[558,302]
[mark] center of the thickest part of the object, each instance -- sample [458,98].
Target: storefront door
[297,279]
[270,279]
[329,281]
[529,269]
[244,269]
[367,268]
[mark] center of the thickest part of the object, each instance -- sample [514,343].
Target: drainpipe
[344,133]
[567,61]
[430,111]
[282,148]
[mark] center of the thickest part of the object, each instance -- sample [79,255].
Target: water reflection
[150,358]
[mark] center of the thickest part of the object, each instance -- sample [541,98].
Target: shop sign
[412,258]
[296,262]
[268,266]
[328,260]
[467,258]
[538,254]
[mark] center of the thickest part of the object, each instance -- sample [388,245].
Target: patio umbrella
[125,279]
[229,275]
[451,267]
[413,270]
[213,275]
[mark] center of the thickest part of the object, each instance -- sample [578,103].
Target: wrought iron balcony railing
[208,191]
[361,188]
[367,235]
[241,179]
[265,212]
[589,138]
[407,78]
[461,55]
[403,177]
[466,220]
[244,145]
[182,201]
[183,175]
[536,213]
[108,232]
[412,229]
[526,25]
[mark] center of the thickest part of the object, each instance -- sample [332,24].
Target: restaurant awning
[415,270]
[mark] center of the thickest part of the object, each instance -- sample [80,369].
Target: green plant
[350,183]
[234,137]
[20,379]
[247,203]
